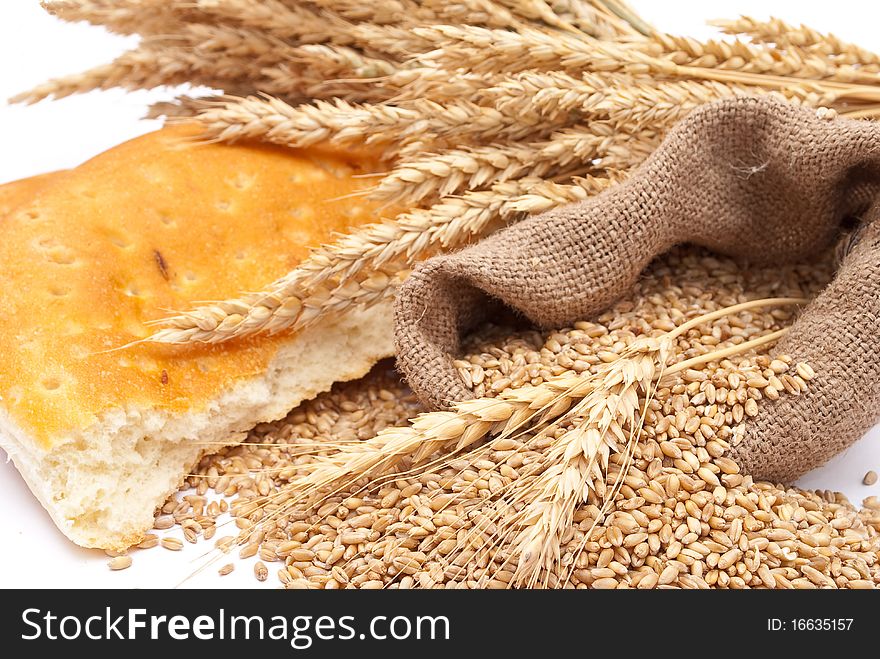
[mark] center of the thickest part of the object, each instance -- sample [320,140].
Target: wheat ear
[367,265]
[611,419]
[778,32]
[568,151]
[124,16]
[579,458]
[513,411]
[524,411]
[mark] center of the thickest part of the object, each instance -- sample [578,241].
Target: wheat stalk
[482,12]
[579,458]
[779,33]
[420,82]
[282,20]
[611,417]
[658,105]
[484,50]
[330,61]
[344,124]
[601,407]
[354,270]
[137,69]
[328,71]
[514,410]
[473,100]
[551,96]
[741,56]
[156,63]
[630,101]
[453,171]
[123,16]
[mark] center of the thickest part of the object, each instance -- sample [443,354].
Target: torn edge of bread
[103,485]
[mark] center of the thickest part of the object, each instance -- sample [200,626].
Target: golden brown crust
[155,224]
[18,192]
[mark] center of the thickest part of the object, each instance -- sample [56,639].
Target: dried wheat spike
[779,33]
[457,170]
[124,16]
[579,459]
[604,407]
[358,267]
[486,109]
[740,56]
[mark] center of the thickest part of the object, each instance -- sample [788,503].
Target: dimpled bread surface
[16,193]
[156,224]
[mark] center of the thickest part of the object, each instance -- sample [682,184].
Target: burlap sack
[751,178]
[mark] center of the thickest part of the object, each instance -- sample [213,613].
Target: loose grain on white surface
[34,47]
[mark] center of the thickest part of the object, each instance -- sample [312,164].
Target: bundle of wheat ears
[485,111]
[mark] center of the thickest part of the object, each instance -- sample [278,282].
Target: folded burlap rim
[756,179]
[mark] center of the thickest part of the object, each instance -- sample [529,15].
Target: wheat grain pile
[679,515]
[485,109]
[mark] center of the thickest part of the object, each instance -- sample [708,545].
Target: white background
[59,134]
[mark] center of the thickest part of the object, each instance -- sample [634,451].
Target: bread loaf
[101,435]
